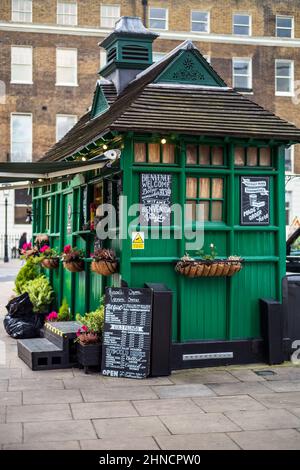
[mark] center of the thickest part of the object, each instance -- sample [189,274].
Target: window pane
[200,27]
[204,155]
[154,153]
[242,20]
[200,16]
[252,156]
[158,13]
[21,137]
[205,206]
[241,82]
[283,69]
[21,64]
[139,152]
[283,85]
[190,210]
[265,157]
[64,124]
[288,159]
[241,30]
[217,156]
[22,197]
[239,156]
[109,15]
[191,154]
[216,211]
[158,18]
[284,33]
[157,24]
[217,188]
[204,188]
[168,153]
[191,187]
[284,22]
[20,214]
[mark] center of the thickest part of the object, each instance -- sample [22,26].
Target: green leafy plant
[40,293]
[64,311]
[27,273]
[209,256]
[94,321]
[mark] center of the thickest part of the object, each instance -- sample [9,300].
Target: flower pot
[74,266]
[104,267]
[50,263]
[208,268]
[89,355]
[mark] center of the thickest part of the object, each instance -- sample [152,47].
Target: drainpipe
[145,5]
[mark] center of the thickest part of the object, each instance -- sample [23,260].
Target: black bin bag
[20,321]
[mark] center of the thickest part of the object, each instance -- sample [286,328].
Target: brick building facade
[252,44]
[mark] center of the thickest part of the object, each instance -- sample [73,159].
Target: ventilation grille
[134,52]
[112,54]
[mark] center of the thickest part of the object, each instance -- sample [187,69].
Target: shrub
[40,293]
[27,273]
[94,321]
[64,311]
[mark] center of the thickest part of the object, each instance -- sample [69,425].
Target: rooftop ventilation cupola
[128,49]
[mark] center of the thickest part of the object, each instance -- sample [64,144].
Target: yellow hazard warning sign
[138,240]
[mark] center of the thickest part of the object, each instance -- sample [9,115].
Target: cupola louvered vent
[111,55]
[135,53]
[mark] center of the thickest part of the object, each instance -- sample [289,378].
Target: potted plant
[73,259]
[208,265]
[104,262]
[40,293]
[49,257]
[89,339]
[28,250]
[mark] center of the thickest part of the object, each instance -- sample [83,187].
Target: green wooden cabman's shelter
[173,131]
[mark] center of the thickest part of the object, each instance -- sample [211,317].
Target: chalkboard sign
[255,200]
[155,198]
[127,332]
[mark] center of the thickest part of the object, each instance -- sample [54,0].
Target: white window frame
[76,66]
[195,21]
[282,27]
[23,82]
[285,93]
[167,18]
[245,59]
[113,5]
[17,12]
[59,2]
[56,126]
[11,135]
[292,149]
[241,13]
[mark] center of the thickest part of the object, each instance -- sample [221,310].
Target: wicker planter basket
[104,267]
[208,268]
[74,266]
[50,263]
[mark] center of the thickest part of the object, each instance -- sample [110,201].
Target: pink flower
[52,316]
[92,255]
[85,328]
[44,248]
[26,246]
[67,249]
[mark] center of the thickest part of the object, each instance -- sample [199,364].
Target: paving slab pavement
[212,408]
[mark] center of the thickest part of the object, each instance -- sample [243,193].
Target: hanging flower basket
[50,263]
[74,266]
[209,268]
[104,262]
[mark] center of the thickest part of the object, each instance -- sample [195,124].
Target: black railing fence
[13,245]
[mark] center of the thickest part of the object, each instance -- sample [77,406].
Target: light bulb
[105,147]
[163,141]
[83,159]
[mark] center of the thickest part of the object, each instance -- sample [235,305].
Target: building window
[200,21]
[242,24]
[252,156]
[209,192]
[285,26]
[67,13]
[205,155]
[289,159]
[242,74]
[22,206]
[284,77]
[21,137]
[288,208]
[158,18]
[66,67]
[21,10]
[63,124]
[109,15]
[21,65]
[154,153]
[156,56]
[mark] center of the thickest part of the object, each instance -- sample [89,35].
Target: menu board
[127,332]
[255,200]
[155,198]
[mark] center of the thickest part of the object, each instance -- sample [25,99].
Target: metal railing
[13,245]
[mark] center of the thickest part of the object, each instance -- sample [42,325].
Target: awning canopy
[40,172]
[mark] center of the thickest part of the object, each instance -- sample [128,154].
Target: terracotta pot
[74,266]
[50,263]
[105,268]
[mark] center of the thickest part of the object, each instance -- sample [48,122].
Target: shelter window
[209,192]
[154,153]
[252,156]
[289,159]
[205,155]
